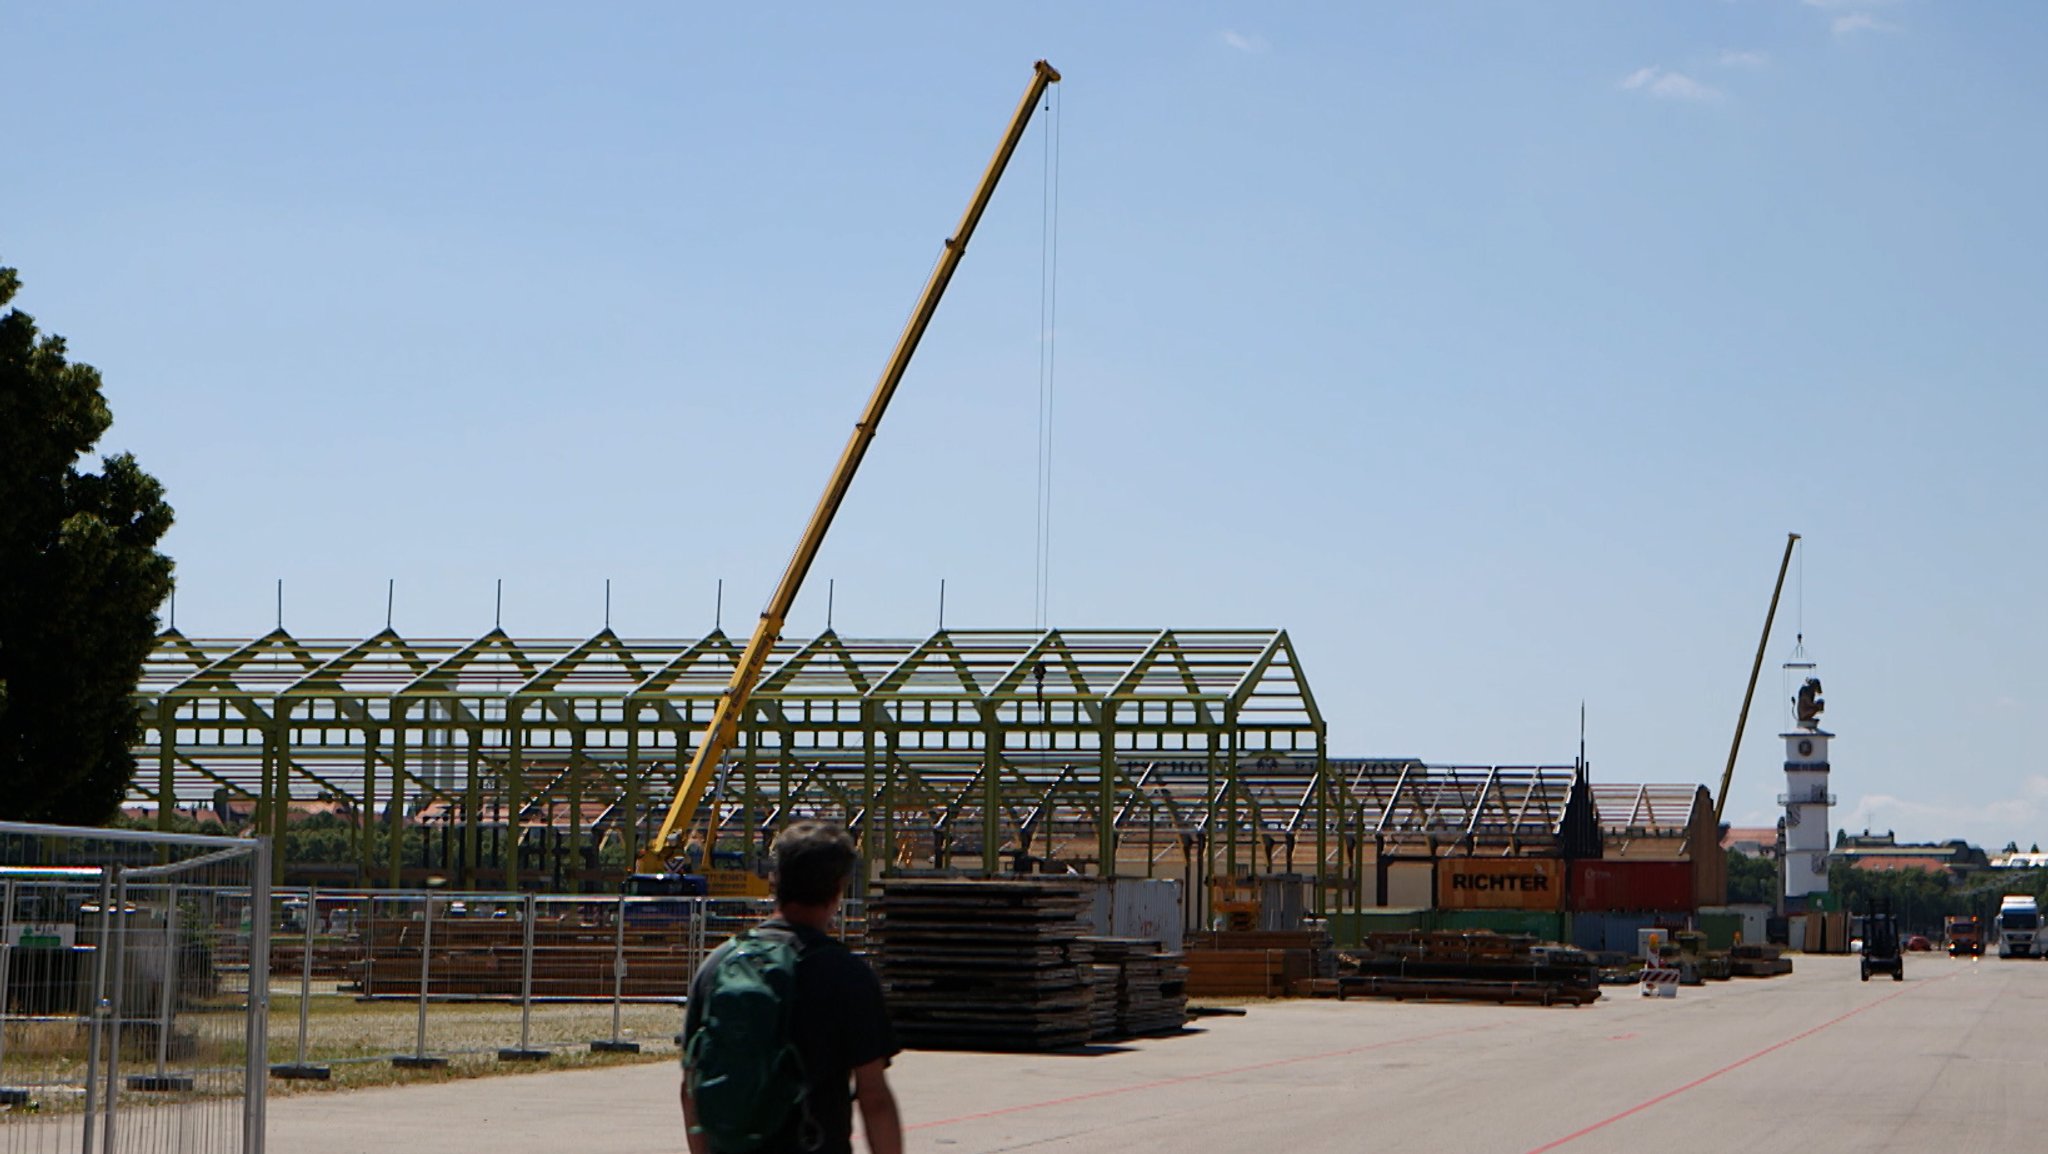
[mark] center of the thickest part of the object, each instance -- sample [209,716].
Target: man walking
[785,1011]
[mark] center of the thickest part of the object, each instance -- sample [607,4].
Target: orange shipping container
[1499,883]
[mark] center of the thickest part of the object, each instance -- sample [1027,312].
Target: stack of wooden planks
[483,958]
[974,964]
[1146,987]
[1468,966]
[1255,963]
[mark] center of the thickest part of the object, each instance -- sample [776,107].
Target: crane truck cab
[1965,937]
[2019,922]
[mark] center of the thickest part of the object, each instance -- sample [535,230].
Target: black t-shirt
[837,1022]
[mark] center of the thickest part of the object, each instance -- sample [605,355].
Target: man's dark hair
[813,859]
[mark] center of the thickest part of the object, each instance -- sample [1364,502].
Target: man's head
[813,859]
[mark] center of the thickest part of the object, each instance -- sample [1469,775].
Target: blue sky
[1489,349]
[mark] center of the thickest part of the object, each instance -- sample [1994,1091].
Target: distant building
[1751,841]
[1884,852]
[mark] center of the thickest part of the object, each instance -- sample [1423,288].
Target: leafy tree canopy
[80,580]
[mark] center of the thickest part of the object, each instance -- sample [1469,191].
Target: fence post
[524,1051]
[256,1087]
[97,1011]
[9,1095]
[616,1044]
[419,1059]
[302,1069]
[119,1010]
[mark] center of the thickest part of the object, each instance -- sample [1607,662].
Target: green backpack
[745,1074]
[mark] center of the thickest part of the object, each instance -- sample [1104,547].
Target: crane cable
[1048,322]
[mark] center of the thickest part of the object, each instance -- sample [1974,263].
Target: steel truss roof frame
[965,746]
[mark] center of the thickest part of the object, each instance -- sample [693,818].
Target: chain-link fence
[417,980]
[129,1020]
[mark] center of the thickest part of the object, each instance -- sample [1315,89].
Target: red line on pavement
[1729,1068]
[1186,1078]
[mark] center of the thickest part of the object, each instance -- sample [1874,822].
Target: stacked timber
[1255,963]
[1102,998]
[1758,961]
[484,958]
[1468,966]
[1148,987]
[993,964]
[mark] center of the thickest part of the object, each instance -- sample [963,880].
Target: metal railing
[133,1010]
[417,979]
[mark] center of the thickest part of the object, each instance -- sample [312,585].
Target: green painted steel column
[991,795]
[1105,802]
[1230,791]
[394,834]
[472,800]
[631,826]
[366,817]
[1322,829]
[281,806]
[166,762]
[515,792]
[870,835]
[575,805]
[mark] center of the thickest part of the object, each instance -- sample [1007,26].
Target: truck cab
[1965,937]
[2019,923]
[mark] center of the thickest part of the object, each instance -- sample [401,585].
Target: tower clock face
[1805,747]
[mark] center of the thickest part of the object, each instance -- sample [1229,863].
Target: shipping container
[1543,925]
[1348,928]
[1411,884]
[1724,929]
[1623,886]
[1500,883]
[1621,932]
[1147,908]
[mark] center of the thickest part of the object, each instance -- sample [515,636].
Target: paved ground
[1952,1059]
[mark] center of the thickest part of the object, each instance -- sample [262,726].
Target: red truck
[1965,936]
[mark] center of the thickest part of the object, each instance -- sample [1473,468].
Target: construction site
[1121,887]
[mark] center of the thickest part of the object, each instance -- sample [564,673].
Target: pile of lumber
[484,958]
[1255,963]
[1144,988]
[1471,966]
[971,964]
[1758,961]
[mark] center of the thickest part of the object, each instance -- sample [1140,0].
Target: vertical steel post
[526,976]
[113,1098]
[255,1080]
[426,969]
[306,970]
[618,969]
[6,962]
[98,1011]
[164,1001]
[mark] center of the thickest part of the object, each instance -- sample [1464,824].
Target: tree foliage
[1751,879]
[80,580]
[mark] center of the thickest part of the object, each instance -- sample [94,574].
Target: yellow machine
[723,729]
[1235,902]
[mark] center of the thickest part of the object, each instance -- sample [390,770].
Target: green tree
[80,580]
[1751,879]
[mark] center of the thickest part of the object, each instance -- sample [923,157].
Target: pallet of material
[1471,966]
[1504,991]
[1758,961]
[1149,987]
[1254,963]
[991,964]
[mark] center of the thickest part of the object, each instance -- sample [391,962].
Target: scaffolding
[1091,750]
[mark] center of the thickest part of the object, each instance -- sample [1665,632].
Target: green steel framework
[1082,747]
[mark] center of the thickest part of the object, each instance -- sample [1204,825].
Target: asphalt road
[1953,1058]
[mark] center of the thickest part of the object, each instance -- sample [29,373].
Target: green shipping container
[1348,929]
[1543,925]
[1720,928]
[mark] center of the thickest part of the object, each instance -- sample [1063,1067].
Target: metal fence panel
[133,1006]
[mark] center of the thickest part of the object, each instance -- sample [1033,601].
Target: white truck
[2019,921]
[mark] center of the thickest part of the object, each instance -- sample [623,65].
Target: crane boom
[1742,719]
[723,729]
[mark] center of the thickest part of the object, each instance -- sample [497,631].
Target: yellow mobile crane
[1762,643]
[723,729]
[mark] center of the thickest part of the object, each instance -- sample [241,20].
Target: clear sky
[1489,349]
